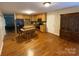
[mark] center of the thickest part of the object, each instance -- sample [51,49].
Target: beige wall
[2,31]
[53,19]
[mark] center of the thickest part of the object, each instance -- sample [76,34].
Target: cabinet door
[69,27]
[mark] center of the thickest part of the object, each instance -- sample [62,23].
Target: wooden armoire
[69,26]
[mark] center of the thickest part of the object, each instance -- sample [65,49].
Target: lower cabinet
[43,28]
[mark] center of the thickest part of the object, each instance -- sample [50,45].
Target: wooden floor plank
[45,44]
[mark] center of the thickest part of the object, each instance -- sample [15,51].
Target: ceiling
[38,7]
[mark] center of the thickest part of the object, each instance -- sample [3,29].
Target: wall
[2,31]
[53,19]
[53,23]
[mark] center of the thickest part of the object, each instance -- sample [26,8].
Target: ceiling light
[47,4]
[28,11]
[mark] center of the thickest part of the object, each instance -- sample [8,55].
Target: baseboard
[54,34]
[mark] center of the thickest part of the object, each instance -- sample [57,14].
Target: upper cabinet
[41,16]
[22,16]
[27,17]
[35,17]
[19,16]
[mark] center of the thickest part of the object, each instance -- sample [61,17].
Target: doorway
[9,20]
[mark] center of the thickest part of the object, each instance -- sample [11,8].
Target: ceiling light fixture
[47,4]
[28,11]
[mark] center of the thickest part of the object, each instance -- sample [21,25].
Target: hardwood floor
[45,44]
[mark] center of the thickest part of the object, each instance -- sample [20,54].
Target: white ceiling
[38,7]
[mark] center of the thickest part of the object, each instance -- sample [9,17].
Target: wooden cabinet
[42,16]
[70,26]
[34,18]
[27,17]
[37,16]
[22,16]
[19,16]
[43,28]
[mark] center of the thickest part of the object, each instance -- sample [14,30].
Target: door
[69,27]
